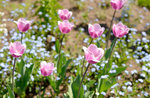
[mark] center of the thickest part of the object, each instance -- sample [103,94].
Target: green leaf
[107,54]
[106,84]
[60,62]
[22,83]
[62,74]
[118,71]
[89,94]
[98,44]
[42,96]
[75,88]
[52,82]
[108,51]
[20,67]
[63,71]
[57,45]
[11,93]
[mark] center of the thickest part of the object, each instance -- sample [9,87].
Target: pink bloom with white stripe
[17,49]
[93,54]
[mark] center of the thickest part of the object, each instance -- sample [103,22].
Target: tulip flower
[64,14]
[65,26]
[95,30]
[93,54]
[117,4]
[119,30]
[23,25]
[17,49]
[47,68]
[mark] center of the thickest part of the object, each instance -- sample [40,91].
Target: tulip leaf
[57,45]
[89,94]
[108,51]
[98,44]
[22,83]
[20,67]
[75,88]
[10,92]
[60,62]
[52,82]
[107,54]
[63,71]
[106,84]
[118,71]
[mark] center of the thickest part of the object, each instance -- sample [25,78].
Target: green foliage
[75,88]
[144,3]
[57,45]
[106,84]
[46,11]
[22,83]
[11,94]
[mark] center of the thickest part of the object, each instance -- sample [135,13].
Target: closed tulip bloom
[23,25]
[64,14]
[117,4]
[119,30]
[17,49]
[65,26]
[95,30]
[93,54]
[47,68]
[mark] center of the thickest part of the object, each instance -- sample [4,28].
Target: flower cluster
[65,26]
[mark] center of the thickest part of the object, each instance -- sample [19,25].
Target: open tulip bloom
[117,4]
[64,14]
[46,68]
[93,54]
[119,30]
[95,30]
[23,25]
[65,26]
[17,49]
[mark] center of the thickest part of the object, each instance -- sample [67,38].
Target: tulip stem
[13,75]
[21,37]
[101,82]
[84,59]
[83,79]
[108,36]
[60,52]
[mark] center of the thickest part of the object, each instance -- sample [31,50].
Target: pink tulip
[47,68]
[95,30]
[23,25]
[65,26]
[120,30]
[64,14]
[93,54]
[117,4]
[17,49]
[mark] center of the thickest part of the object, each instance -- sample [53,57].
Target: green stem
[60,52]
[13,75]
[83,79]
[21,37]
[101,82]
[108,36]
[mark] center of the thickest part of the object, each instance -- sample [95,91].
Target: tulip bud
[23,25]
